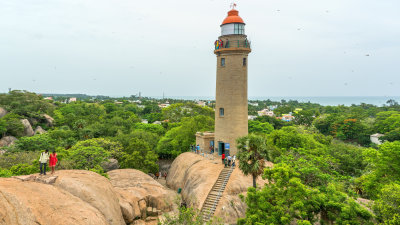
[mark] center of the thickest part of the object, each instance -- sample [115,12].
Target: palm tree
[252,154]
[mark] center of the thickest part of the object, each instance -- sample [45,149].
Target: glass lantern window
[239,29]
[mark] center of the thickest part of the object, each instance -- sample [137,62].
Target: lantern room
[233,24]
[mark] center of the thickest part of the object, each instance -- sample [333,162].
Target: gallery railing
[219,44]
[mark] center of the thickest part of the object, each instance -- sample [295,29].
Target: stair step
[213,198]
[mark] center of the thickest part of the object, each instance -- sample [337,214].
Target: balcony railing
[219,44]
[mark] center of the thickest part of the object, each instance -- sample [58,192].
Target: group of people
[46,157]
[195,149]
[229,160]
[161,174]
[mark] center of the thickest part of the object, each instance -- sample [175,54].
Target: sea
[322,100]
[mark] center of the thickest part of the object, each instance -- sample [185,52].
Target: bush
[9,159]
[23,169]
[5,173]
[90,153]
[39,142]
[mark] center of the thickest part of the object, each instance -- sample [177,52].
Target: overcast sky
[121,47]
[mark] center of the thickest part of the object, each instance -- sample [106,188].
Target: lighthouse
[231,109]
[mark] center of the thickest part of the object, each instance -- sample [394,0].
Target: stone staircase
[212,200]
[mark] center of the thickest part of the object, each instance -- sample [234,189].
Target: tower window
[221,112]
[239,29]
[222,61]
[244,61]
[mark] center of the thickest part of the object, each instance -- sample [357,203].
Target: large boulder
[3,112]
[28,131]
[111,164]
[138,192]
[39,130]
[32,203]
[196,176]
[93,189]
[7,141]
[49,120]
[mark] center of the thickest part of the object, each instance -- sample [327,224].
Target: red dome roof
[233,17]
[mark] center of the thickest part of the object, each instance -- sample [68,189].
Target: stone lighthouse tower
[231,110]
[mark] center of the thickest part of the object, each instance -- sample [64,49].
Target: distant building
[118,103]
[253,103]
[72,100]
[297,110]
[265,112]
[375,138]
[205,140]
[201,103]
[272,107]
[252,117]
[145,121]
[287,117]
[164,105]
[157,122]
[48,98]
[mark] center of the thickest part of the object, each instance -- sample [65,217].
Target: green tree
[276,123]
[3,127]
[383,168]
[175,112]
[178,139]
[39,142]
[252,155]
[387,121]
[13,124]
[387,207]
[349,157]
[26,104]
[153,128]
[393,135]
[304,117]
[285,199]
[90,153]
[259,127]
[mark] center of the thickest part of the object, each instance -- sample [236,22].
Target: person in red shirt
[223,158]
[53,161]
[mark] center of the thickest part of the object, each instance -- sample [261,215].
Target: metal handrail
[220,189]
[233,44]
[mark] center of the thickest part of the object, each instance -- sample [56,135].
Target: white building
[251,117]
[265,112]
[375,138]
[201,103]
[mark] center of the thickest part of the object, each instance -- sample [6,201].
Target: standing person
[234,161]
[198,149]
[44,158]
[223,158]
[53,161]
[229,160]
[191,148]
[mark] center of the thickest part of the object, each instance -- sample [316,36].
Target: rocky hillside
[196,176]
[84,197]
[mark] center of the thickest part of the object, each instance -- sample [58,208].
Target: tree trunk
[254,181]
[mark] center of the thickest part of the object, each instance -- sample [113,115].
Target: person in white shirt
[44,158]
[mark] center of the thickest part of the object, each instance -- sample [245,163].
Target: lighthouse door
[221,147]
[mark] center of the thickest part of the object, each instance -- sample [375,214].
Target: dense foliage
[324,161]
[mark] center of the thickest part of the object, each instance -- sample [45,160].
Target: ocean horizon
[322,100]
